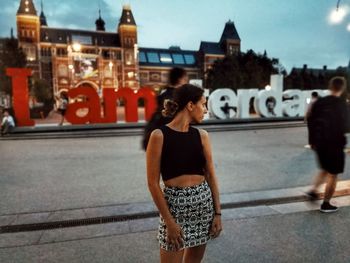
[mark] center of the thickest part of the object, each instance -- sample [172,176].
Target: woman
[189,204]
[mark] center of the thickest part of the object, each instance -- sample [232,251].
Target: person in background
[327,126]
[314,97]
[180,155]
[177,77]
[7,123]
[62,102]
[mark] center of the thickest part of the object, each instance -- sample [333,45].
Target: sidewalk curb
[137,130]
[125,212]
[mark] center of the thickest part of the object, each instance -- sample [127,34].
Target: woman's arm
[153,157]
[213,183]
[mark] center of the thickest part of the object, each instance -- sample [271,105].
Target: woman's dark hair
[175,74]
[182,95]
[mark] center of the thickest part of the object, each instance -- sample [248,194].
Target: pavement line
[149,214]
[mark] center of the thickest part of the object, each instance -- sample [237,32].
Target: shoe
[312,196]
[328,208]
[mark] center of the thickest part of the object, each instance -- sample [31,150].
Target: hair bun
[170,108]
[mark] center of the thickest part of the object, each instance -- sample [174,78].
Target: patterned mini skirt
[192,208]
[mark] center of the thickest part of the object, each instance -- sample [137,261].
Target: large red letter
[131,102]
[20,95]
[92,103]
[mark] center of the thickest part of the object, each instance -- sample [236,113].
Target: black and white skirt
[192,208]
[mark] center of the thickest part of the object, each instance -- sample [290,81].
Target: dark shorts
[62,111]
[331,159]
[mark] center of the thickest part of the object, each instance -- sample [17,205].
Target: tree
[11,56]
[42,91]
[243,71]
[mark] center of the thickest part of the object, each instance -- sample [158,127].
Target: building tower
[230,41]
[127,31]
[42,16]
[100,23]
[28,32]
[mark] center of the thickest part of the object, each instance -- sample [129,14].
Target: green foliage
[11,56]
[243,71]
[309,79]
[41,90]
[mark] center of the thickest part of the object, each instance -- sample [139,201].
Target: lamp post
[338,5]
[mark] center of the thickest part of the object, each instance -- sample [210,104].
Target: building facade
[67,58]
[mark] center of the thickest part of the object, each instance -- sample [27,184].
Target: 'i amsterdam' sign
[222,103]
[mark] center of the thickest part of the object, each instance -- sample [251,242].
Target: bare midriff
[185,180]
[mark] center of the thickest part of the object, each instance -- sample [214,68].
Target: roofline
[168,50]
[84,30]
[209,42]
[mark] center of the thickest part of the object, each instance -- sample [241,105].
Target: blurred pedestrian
[7,123]
[177,77]
[180,155]
[327,126]
[314,97]
[62,103]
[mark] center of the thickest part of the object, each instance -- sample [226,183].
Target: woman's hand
[216,226]
[174,235]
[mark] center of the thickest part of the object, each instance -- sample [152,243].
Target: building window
[178,59]
[153,57]
[62,70]
[165,58]
[189,59]
[129,58]
[30,53]
[142,57]
[155,76]
[108,71]
[106,54]
[118,55]
[144,76]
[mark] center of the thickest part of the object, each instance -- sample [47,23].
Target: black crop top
[182,153]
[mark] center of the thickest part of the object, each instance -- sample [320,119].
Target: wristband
[217,214]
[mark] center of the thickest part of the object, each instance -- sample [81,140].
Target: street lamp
[337,16]
[76,47]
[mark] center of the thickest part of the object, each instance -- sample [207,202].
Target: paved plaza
[263,175]
[46,175]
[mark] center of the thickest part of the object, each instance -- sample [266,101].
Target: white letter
[244,96]
[222,102]
[275,94]
[294,105]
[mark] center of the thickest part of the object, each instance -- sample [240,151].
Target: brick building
[67,58]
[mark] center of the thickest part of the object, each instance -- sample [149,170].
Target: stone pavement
[262,192]
[56,174]
[293,232]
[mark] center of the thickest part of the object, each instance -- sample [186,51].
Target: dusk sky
[295,31]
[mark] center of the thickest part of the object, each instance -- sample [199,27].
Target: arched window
[62,70]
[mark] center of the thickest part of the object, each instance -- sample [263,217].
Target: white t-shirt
[9,119]
[62,104]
